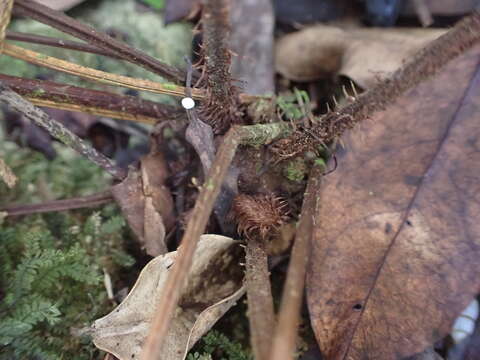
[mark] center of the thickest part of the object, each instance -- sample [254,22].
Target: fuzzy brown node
[259,216]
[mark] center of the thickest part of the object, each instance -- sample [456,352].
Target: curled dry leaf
[397,241]
[200,136]
[214,285]
[146,203]
[361,54]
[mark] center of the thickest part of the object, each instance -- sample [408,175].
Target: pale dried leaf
[364,55]
[209,317]
[215,278]
[146,203]
[200,136]
[7,174]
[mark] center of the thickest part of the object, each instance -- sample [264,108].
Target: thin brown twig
[96,75]
[96,38]
[285,334]
[58,131]
[100,103]
[196,226]
[60,43]
[88,201]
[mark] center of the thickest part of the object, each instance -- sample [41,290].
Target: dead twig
[96,38]
[285,335]
[58,131]
[88,201]
[100,103]
[196,226]
[96,75]
[60,43]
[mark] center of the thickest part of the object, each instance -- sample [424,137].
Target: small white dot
[188,103]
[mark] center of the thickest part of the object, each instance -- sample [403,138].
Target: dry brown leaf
[147,203]
[363,54]
[214,285]
[7,175]
[396,247]
[443,7]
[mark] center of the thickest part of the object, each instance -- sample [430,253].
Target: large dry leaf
[443,7]
[214,285]
[147,203]
[361,54]
[397,245]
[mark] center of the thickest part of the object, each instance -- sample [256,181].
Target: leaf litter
[396,250]
[214,285]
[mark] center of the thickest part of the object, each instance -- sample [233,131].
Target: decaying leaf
[200,136]
[7,175]
[214,285]
[179,9]
[361,54]
[146,203]
[443,7]
[397,242]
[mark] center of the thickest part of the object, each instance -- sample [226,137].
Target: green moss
[295,170]
[37,93]
[170,86]
[261,134]
[217,343]
[52,265]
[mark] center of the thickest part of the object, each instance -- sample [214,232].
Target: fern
[50,285]
[51,265]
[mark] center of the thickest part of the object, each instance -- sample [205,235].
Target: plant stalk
[58,131]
